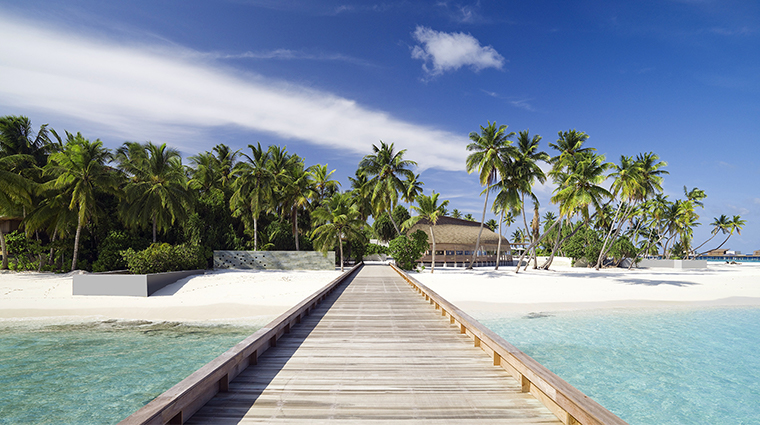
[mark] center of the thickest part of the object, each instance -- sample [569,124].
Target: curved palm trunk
[534,227]
[549,261]
[52,251]
[498,246]
[155,227]
[607,238]
[525,222]
[255,234]
[605,248]
[76,245]
[4,250]
[295,227]
[522,257]
[432,265]
[724,241]
[703,244]
[482,222]
[395,226]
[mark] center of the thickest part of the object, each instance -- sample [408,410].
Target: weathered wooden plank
[380,353]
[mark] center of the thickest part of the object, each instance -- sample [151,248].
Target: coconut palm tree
[361,190]
[337,219]
[387,170]
[455,213]
[528,172]
[430,210]
[412,189]
[297,191]
[16,192]
[80,171]
[579,189]
[720,224]
[734,225]
[156,191]
[253,188]
[492,153]
[324,186]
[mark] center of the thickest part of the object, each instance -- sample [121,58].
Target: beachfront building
[9,224]
[728,255]
[455,239]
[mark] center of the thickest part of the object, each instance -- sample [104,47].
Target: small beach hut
[455,240]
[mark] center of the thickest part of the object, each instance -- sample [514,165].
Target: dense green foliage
[162,257]
[407,250]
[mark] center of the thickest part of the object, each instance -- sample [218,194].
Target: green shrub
[109,251]
[159,258]
[408,250]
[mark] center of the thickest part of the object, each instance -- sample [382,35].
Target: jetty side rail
[568,403]
[181,401]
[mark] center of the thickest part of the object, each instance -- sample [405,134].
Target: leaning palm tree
[337,219]
[253,188]
[734,225]
[720,224]
[492,152]
[430,210]
[387,171]
[80,171]
[157,191]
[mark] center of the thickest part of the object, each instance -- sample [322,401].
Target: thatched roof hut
[455,240]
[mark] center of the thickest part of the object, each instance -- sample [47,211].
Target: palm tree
[18,138]
[252,189]
[17,191]
[297,191]
[720,224]
[430,210]
[387,170]
[527,172]
[157,191]
[324,187]
[578,189]
[412,189]
[362,192]
[455,213]
[735,224]
[492,153]
[338,219]
[80,171]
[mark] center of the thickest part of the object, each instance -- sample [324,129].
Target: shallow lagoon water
[99,372]
[650,367]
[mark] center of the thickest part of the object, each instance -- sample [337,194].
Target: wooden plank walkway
[374,352]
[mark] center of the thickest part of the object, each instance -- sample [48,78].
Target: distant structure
[728,255]
[9,224]
[455,239]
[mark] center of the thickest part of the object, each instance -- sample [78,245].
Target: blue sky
[328,79]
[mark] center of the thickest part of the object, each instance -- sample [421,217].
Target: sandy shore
[221,296]
[566,288]
[253,296]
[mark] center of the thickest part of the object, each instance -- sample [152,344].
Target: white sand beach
[234,295]
[216,296]
[567,288]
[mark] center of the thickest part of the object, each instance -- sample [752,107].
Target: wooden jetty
[373,346]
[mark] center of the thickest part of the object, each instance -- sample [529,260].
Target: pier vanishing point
[374,346]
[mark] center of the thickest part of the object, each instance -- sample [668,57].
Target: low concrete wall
[131,285]
[673,264]
[274,260]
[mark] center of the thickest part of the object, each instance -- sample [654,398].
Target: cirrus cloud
[451,51]
[139,91]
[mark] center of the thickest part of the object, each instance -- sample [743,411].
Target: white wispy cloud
[288,54]
[450,51]
[516,102]
[140,91]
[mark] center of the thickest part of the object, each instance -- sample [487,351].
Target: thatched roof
[456,231]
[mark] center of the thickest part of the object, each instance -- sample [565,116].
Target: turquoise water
[99,373]
[650,367]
